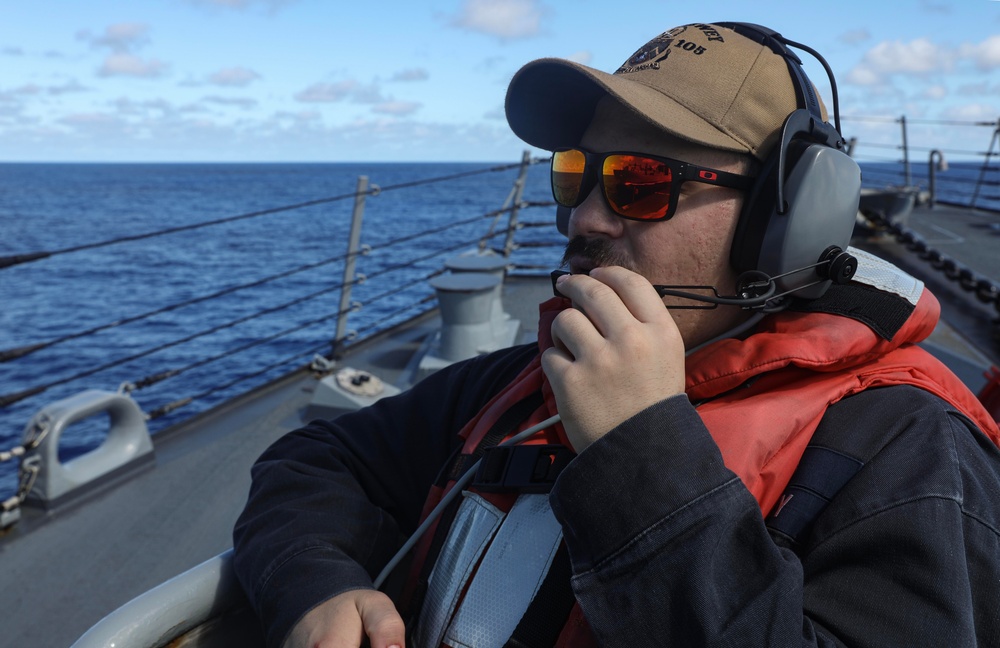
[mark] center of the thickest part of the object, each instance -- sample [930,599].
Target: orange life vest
[800,363]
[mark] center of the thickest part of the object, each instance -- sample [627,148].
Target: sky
[424,80]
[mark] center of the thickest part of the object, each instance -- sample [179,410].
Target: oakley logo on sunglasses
[635,185]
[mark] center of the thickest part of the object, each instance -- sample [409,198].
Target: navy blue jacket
[906,554]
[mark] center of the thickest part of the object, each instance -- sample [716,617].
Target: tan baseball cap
[703,83]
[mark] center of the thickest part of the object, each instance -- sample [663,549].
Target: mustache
[599,251]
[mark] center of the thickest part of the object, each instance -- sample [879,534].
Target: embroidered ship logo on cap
[652,53]
[648,57]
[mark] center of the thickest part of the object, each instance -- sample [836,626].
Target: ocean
[54,207]
[295,258]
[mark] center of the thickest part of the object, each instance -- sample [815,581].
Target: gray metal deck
[63,572]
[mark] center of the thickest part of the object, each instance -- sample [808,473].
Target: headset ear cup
[758,207]
[822,188]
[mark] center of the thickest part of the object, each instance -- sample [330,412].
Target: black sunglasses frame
[681,172]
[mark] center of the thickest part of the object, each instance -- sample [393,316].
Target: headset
[797,220]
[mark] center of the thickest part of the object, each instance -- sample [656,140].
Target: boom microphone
[755,289]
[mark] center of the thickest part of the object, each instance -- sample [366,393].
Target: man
[679,518]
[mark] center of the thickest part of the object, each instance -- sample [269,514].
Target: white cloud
[978,89]
[120,37]
[413,74]
[505,19]
[919,56]
[240,5]
[125,64]
[935,92]
[95,121]
[126,106]
[935,8]
[327,92]
[397,108]
[340,91]
[972,112]
[233,77]
[863,76]
[582,57]
[28,89]
[240,102]
[888,58]
[986,55]
[368,94]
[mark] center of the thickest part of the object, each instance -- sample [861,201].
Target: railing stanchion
[522,178]
[986,164]
[906,154]
[935,163]
[353,249]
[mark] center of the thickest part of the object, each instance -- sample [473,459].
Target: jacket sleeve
[906,554]
[330,503]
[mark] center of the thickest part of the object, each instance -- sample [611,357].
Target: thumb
[381,621]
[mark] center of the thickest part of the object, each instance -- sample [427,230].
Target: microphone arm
[754,289]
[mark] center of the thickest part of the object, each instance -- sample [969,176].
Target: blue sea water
[51,207]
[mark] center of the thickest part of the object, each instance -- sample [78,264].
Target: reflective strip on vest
[476,521]
[509,577]
[505,582]
[883,275]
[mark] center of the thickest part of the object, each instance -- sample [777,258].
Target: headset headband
[804,91]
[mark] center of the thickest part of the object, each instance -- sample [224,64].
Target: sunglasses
[636,186]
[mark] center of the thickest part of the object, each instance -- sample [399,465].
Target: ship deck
[180,510]
[65,570]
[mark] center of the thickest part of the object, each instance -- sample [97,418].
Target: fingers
[344,621]
[381,621]
[618,352]
[611,296]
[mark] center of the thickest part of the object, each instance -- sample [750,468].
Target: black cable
[834,95]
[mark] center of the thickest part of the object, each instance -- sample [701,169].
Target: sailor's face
[692,248]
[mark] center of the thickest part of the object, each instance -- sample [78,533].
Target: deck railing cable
[410,294]
[11,398]
[17,259]
[177,404]
[874,176]
[18,352]
[7,355]
[427,299]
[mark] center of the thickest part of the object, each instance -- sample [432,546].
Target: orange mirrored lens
[567,176]
[637,187]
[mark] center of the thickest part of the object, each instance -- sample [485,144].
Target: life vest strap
[820,475]
[522,468]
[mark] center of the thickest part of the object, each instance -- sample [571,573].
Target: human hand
[345,620]
[620,355]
